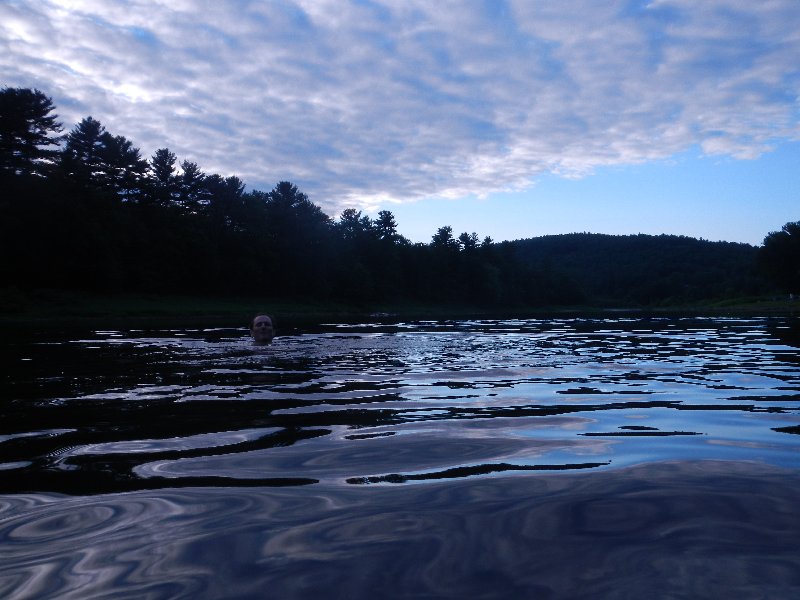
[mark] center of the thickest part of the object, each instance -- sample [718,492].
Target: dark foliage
[100,218]
[27,130]
[779,257]
[645,269]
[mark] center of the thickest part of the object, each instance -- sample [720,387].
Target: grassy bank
[47,306]
[74,307]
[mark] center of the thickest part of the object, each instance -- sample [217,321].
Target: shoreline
[77,308]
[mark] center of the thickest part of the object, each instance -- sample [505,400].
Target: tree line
[84,210]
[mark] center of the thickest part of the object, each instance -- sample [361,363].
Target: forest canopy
[86,211]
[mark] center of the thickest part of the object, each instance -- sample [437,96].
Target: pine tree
[28,130]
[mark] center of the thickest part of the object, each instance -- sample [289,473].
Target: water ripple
[702,529]
[121,410]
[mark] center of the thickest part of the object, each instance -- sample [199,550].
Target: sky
[509,118]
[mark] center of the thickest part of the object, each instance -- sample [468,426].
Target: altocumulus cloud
[362,103]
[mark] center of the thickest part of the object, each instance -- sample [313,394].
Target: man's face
[262,330]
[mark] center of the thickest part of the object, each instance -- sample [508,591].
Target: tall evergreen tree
[386,226]
[191,187]
[298,231]
[82,158]
[468,241]
[95,158]
[224,200]
[292,216]
[164,182]
[353,225]
[122,169]
[28,131]
[443,238]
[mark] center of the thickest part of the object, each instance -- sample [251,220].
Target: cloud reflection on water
[705,529]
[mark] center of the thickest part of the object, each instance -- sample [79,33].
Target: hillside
[645,269]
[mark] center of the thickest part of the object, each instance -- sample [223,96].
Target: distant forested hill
[645,269]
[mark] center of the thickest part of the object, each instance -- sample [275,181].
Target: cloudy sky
[510,118]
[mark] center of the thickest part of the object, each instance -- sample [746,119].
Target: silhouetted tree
[353,225]
[443,239]
[386,226]
[122,169]
[82,157]
[95,158]
[224,200]
[779,257]
[444,266]
[355,271]
[191,187]
[299,232]
[468,241]
[164,183]
[28,130]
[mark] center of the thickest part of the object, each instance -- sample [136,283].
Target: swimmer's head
[262,329]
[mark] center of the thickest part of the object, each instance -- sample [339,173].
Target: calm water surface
[553,458]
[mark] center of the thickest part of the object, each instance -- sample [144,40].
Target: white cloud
[367,103]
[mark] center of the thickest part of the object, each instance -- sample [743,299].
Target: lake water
[542,458]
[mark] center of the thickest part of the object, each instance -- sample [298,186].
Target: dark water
[557,458]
